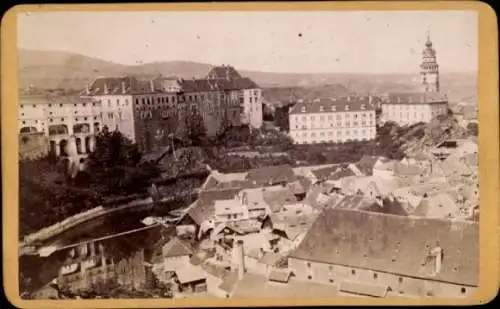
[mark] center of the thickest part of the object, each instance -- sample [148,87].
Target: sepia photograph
[248,154]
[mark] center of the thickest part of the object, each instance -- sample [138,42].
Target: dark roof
[176,247]
[416,98]
[277,198]
[366,164]
[387,243]
[120,85]
[392,207]
[323,174]
[223,72]
[341,173]
[204,206]
[271,175]
[207,85]
[331,105]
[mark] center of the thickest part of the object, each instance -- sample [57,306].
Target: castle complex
[148,112]
[411,108]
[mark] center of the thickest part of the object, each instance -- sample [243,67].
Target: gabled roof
[438,206]
[366,164]
[120,85]
[416,98]
[204,207]
[223,72]
[207,85]
[387,243]
[176,247]
[271,175]
[351,104]
[276,199]
[323,174]
[341,173]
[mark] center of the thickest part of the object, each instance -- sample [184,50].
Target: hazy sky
[367,42]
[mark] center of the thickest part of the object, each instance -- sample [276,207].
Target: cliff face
[424,136]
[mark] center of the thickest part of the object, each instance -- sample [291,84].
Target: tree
[281,118]
[472,128]
[195,127]
[115,167]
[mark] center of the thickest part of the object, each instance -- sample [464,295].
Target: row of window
[338,116]
[337,124]
[330,133]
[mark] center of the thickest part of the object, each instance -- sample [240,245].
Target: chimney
[239,258]
[92,249]
[438,255]
[124,89]
[106,89]
[151,83]
[87,89]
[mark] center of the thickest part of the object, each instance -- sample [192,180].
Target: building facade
[65,120]
[148,112]
[410,108]
[441,262]
[429,68]
[333,121]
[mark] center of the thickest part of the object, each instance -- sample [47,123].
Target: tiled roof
[271,175]
[416,98]
[176,247]
[120,85]
[439,206]
[323,174]
[204,207]
[333,105]
[387,243]
[223,72]
[366,164]
[207,85]
[276,199]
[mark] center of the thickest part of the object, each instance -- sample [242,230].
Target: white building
[64,120]
[333,121]
[411,108]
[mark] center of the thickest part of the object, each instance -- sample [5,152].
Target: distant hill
[58,69]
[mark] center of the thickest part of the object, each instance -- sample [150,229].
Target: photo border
[488,105]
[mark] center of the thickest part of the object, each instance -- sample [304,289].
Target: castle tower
[429,69]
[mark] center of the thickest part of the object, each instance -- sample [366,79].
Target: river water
[36,271]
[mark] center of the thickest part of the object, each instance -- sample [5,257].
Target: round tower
[429,69]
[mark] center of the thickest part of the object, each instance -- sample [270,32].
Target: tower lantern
[429,69]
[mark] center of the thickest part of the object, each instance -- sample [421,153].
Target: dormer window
[334,108]
[409,100]
[321,109]
[347,107]
[363,107]
[303,109]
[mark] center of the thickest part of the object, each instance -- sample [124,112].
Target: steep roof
[204,207]
[276,199]
[176,247]
[438,206]
[120,85]
[387,243]
[416,98]
[223,72]
[366,164]
[207,85]
[323,174]
[354,104]
[271,175]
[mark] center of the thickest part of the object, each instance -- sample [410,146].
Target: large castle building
[148,112]
[409,108]
[333,120]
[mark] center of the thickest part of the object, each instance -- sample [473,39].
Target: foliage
[115,167]
[48,194]
[195,127]
[472,128]
[281,118]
